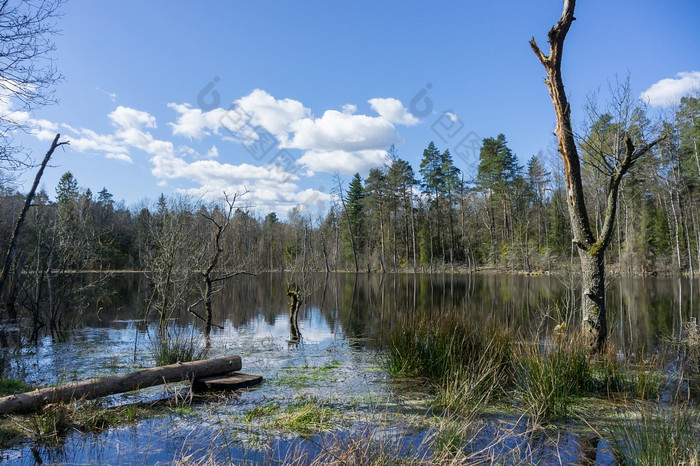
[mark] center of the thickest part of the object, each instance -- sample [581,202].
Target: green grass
[52,425]
[467,365]
[173,347]
[440,348]
[261,411]
[549,378]
[307,376]
[13,386]
[655,436]
[305,419]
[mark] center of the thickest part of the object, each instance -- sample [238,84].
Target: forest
[499,215]
[474,324]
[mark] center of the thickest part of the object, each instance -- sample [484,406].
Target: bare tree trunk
[676,229]
[323,249]
[413,237]
[591,250]
[12,247]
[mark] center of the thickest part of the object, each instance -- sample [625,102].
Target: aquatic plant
[654,435]
[171,346]
[550,376]
[439,347]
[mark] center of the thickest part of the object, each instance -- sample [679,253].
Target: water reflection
[341,320]
[359,306]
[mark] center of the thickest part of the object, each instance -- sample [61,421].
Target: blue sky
[206,97]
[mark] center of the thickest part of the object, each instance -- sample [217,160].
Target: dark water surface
[337,361]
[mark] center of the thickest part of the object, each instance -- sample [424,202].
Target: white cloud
[195,124]
[88,140]
[338,131]
[263,196]
[276,116]
[344,162]
[452,116]
[126,117]
[342,141]
[213,152]
[256,109]
[119,156]
[393,110]
[669,91]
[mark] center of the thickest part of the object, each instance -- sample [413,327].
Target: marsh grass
[306,376]
[9,386]
[172,346]
[550,377]
[609,374]
[648,378]
[470,366]
[258,412]
[306,419]
[466,365]
[655,435]
[51,426]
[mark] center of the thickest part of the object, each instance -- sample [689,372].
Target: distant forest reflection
[642,311]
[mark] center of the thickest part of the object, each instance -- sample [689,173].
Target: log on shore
[103,386]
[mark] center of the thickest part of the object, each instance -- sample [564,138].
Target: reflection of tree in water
[360,305]
[294,305]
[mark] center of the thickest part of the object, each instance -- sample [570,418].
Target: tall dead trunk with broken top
[591,249]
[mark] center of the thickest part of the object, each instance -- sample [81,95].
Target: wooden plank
[233,381]
[97,387]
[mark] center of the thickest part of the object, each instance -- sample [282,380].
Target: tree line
[504,216]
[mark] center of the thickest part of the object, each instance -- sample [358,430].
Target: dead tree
[12,247]
[591,249]
[294,305]
[220,225]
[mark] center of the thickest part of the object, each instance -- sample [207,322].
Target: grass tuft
[466,364]
[172,347]
[551,376]
[655,436]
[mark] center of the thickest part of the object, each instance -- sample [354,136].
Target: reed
[551,375]
[655,435]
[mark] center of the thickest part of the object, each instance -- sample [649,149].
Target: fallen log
[103,386]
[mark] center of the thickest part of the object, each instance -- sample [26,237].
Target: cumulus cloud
[669,91]
[263,196]
[393,110]
[195,124]
[452,116]
[275,116]
[342,131]
[345,162]
[212,153]
[127,117]
[119,156]
[257,109]
[339,140]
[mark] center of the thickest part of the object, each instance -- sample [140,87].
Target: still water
[341,324]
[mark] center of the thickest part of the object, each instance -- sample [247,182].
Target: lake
[337,360]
